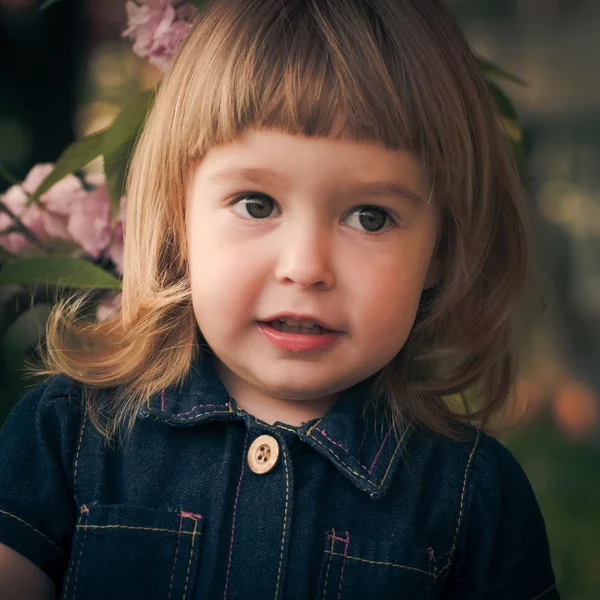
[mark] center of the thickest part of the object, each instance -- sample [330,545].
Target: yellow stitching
[462,498]
[34,529]
[72,563]
[184,419]
[354,472]
[544,592]
[131,527]
[308,432]
[395,451]
[328,563]
[284,524]
[187,576]
[286,428]
[348,467]
[78,449]
[374,562]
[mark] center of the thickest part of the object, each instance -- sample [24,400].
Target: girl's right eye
[258,206]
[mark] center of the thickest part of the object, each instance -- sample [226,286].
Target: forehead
[277,157]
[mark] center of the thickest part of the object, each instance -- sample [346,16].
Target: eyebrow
[260,175]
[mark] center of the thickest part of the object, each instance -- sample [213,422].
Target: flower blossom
[158,29]
[69,211]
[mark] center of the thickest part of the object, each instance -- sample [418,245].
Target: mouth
[306,329]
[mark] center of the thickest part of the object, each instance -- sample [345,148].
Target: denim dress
[207,501]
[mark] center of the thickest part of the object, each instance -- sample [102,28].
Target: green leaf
[59,271]
[119,142]
[491,69]
[77,155]
[504,105]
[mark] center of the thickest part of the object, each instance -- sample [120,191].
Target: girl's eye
[259,206]
[373,218]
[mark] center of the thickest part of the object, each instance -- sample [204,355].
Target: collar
[363,447]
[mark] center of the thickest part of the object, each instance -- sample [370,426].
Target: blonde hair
[397,72]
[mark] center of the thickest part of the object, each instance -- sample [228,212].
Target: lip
[299,317]
[298,342]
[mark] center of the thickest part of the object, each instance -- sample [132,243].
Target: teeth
[294,323]
[283,326]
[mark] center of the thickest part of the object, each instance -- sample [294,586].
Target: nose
[305,256]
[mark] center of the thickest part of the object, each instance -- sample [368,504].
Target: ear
[434,274]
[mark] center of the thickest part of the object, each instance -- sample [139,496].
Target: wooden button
[263,454]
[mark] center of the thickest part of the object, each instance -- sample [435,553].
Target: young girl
[325,247]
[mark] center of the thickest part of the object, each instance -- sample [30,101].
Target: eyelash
[390,225]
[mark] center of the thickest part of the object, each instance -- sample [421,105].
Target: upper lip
[298,317]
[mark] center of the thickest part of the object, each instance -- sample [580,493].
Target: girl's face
[317,233]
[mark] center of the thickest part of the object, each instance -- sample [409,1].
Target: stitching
[347,540]
[79,448]
[189,514]
[462,498]
[132,527]
[358,474]
[369,471]
[329,562]
[287,489]
[4,512]
[322,432]
[187,575]
[162,400]
[375,562]
[544,592]
[395,451]
[286,428]
[185,414]
[85,510]
[380,449]
[70,570]
[237,494]
[182,420]
[176,553]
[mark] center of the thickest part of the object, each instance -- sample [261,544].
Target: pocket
[133,552]
[355,566]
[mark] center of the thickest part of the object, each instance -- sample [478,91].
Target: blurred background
[65,72]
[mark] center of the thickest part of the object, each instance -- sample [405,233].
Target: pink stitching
[347,540]
[380,449]
[237,494]
[335,537]
[369,471]
[189,514]
[162,403]
[85,510]
[328,438]
[176,553]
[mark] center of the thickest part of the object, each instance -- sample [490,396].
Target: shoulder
[53,408]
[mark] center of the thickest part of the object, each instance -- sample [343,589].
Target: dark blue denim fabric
[348,512]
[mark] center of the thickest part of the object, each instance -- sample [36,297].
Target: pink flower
[158,29]
[52,222]
[32,218]
[69,212]
[90,220]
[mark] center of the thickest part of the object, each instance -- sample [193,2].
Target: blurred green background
[66,72]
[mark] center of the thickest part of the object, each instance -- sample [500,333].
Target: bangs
[318,68]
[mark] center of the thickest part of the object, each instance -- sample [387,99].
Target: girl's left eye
[259,206]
